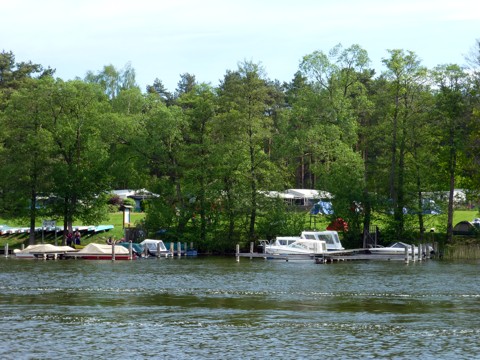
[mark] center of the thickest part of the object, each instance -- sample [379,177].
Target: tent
[464,228]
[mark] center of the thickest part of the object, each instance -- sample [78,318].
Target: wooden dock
[285,257]
[326,258]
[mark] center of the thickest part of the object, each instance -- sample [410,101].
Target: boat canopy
[152,245]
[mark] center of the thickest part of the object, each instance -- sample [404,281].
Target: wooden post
[6,250]
[406,255]
[251,249]
[158,249]
[237,252]
[412,254]
[113,250]
[130,250]
[145,251]
[179,249]
[171,249]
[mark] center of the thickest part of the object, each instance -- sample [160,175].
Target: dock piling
[113,250]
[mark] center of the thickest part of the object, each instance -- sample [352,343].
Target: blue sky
[163,39]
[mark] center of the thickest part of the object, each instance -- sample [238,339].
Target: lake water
[216,308]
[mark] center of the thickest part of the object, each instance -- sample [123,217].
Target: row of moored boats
[95,251]
[322,242]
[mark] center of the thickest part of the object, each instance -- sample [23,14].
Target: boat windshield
[284,242]
[400,245]
[328,238]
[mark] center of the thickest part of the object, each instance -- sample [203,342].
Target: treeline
[378,142]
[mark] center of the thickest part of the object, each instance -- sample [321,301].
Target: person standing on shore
[77,237]
[69,238]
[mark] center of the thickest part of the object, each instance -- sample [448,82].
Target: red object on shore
[338,225]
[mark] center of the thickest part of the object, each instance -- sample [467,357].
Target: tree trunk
[33,214]
[453,163]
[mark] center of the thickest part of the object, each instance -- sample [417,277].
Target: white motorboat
[309,242]
[397,248]
[295,246]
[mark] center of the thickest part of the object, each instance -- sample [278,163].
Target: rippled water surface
[212,308]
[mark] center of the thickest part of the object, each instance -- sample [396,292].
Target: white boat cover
[103,249]
[151,245]
[44,248]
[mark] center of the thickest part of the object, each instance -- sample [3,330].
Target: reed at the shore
[462,252]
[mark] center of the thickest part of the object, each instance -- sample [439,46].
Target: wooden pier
[327,258]
[285,257]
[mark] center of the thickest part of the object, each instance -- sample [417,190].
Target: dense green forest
[384,145]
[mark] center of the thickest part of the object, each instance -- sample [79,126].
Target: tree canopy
[382,145]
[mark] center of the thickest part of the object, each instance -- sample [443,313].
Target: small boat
[95,251]
[136,248]
[309,242]
[397,248]
[191,252]
[152,246]
[295,246]
[42,251]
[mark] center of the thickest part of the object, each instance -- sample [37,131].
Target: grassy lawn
[464,215]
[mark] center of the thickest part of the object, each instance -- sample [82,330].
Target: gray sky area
[163,39]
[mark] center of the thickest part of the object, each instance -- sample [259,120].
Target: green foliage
[129,202]
[378,145]
[276,218]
